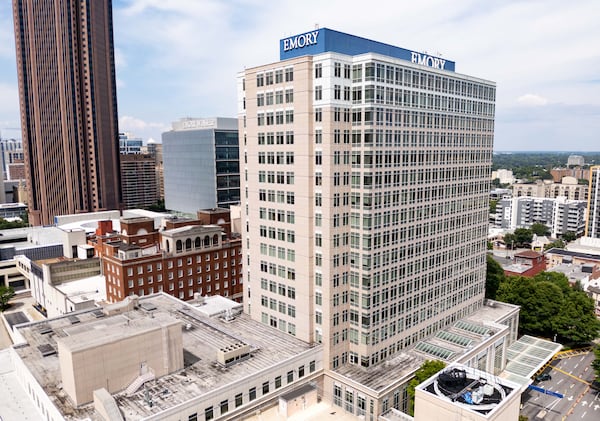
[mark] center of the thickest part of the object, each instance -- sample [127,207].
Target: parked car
[543,377]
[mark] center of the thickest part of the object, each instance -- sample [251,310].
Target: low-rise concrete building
[157,358]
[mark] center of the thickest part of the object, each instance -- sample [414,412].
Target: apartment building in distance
[201,164]
[67,89]
[184,258]
[568,187]
[366,173]
[593,223]
[577,172]
[560,215]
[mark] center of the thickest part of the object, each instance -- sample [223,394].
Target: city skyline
[170,60]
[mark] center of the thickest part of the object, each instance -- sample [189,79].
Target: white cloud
[532,100]
[144,129]
[180,57]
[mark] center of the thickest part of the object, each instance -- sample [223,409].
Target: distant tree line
[539,160]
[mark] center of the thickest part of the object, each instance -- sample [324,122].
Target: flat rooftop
[447,345]
[202,336]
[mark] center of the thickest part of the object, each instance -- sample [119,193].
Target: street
[571,377]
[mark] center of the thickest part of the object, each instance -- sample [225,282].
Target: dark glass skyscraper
[67,88]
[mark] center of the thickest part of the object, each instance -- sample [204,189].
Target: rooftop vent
[233,353]
[46,350]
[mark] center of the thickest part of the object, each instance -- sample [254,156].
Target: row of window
[277,215]
[270,118]
[273,158]
[403,118]
[278,270]
[279,252]
[278,196]
[411,78]
[158,266]
[274,77]
[277,97]
[277,138]
[279,177]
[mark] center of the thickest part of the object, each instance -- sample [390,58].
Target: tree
[493,204]
[596,362]
[523,236]
[427,369]
[569,236]
[558,244]
[510,240]
[551,306]
[493,277]
[540,229]
[576,321]
[6,293]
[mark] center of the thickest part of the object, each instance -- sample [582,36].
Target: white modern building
[560,215]
[366,174]
[593,223]
[504,176]
[575,161]
[201,164]
[128,144]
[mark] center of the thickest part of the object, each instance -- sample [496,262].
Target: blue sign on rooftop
[327,40]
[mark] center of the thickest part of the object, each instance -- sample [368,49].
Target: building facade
[155,150]
[560,215]
[201,164]
[129,144]
[67,88]
[593,222]
[367,171]
[138,174]
[577,172]
[183,259]
[568,187]
[12,155]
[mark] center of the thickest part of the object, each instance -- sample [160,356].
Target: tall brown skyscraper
[68,101]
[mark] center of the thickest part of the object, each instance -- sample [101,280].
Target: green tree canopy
[427,369]
[569,236]
[510,240]
[551,306]
[523,236]
[493,277]
[596,362]
[540,229]
[6,293]
[558,244]
[5,225]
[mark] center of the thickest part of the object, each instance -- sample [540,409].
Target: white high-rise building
[365,175]
[593,223]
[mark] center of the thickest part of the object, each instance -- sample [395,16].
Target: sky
[180,58]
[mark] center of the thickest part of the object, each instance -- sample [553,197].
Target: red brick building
[527,263]
[181,258]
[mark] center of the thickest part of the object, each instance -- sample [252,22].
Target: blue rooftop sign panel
[327,40]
